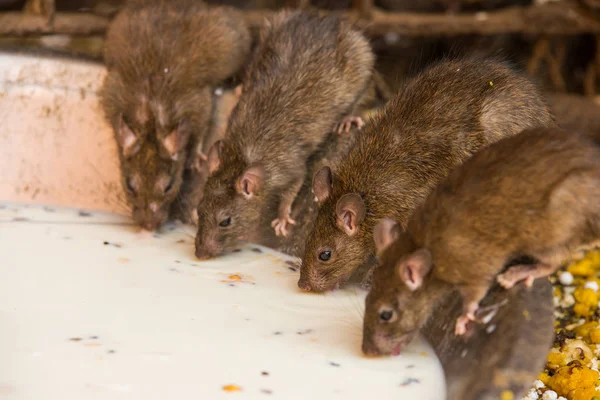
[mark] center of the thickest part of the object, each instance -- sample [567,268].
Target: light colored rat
[436,122]
[307,74]
[532,195]
[164,61]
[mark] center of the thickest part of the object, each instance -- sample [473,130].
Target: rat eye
[386,315]
[130,186]
[325,255]
[225,222]
[169,186]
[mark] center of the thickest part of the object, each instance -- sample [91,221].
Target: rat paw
[506,280]
[195,218]
[281,225]
[461,324]
[346,124]
[197,162]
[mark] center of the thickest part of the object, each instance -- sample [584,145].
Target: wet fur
[534,194]
[164,59]
[439,120]
[306,74]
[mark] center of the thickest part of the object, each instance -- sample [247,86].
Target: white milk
[141,318]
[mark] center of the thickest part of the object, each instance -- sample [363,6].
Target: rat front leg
[472,295]
[285,206]
[526,272]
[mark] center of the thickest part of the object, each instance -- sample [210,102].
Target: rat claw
[280,225]
[504,282]
[195,218]
[529,281]
[461,325]
[346,124]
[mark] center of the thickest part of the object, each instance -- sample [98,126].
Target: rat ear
[126,138]
[174,142]
[385,233]
[323,184]
[251,181]
[351,212]
[214,157]
[414,268]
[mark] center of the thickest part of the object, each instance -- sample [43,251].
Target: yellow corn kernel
[584,330]
[576,382]
[507,395]
[582,310]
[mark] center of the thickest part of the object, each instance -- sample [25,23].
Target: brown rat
[308,73]
[530,195]
[441,118]
[164,60]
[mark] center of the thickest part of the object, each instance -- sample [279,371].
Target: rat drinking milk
[164,61]
[534,194]
[305,80]
[439,120]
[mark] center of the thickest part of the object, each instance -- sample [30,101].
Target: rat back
[439,120]
[161,54]
[307,72]
[533,194]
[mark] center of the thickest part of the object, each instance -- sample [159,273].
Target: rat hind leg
[472,295]
[526,272]
[280,224]
[549,261]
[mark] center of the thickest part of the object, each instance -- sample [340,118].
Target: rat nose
[203,252]
[153,207]
[369,349]
[149,225]
[304,284]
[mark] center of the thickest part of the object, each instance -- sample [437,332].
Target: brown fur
[164,60]
[577,114]
[441,118]
[307,73]
[534,194]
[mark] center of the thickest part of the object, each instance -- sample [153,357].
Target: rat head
[336,246]
[151,174]
[231,206]
[402,295]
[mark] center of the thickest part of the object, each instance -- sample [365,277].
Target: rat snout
[149,225]
[304,284]
[369,348]
[310,280]
[146,220]
[207,249]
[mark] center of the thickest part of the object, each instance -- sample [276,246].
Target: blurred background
[555,41]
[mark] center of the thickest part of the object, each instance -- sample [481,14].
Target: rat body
[308,73]
[164,60]
[440,119]
[575,113]
[531,195]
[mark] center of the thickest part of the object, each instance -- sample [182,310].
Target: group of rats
[463,171]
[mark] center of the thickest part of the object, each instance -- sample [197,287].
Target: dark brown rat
[308,73]
[164,60]
[534,194]
[441,118]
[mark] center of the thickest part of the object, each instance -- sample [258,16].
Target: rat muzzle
[207,249]
[377,345]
